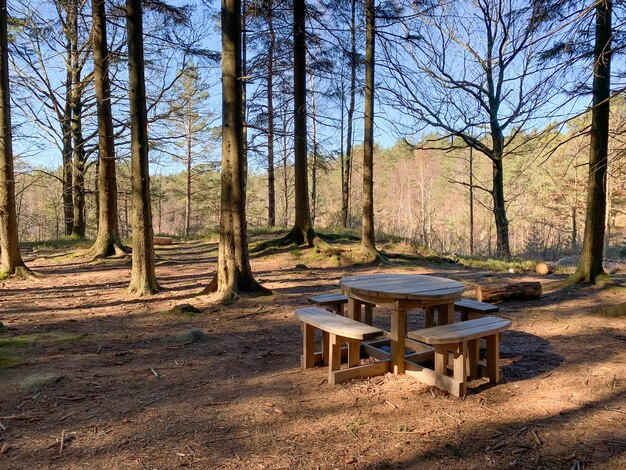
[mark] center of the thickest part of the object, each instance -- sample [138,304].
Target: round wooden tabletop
[403,286]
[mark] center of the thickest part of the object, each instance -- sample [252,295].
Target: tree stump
[547,267]
[508,290]
[162,241]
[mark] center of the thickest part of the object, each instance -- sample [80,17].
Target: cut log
[547,267]
[162,240]
[508,290]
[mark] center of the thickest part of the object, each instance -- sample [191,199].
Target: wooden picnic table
[401,292]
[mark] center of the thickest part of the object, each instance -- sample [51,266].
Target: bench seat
[336,331]
[333,301]
[461,340]
[471,309]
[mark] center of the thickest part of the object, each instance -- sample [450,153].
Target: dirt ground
[124,394]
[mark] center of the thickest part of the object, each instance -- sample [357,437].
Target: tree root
[110,248]
[296,236]
[240,284]
[21,272]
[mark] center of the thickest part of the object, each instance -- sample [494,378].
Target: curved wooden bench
[337,330]
[462,340]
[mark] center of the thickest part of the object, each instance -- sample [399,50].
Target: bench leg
[325,347]
[354,353]
[459,368]
[464,314]
[429,317]
[446,314]
[441,360]
[369,309]
[335,357]
[473,358]
[493,358]
[354,309]
[308,340]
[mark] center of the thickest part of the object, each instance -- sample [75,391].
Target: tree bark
[234,274]
[590,267]
[368,241]
[314,153]
[66,129]
[10,257]
[108,241]
[271,185]
[143,279]
[347,174]
[499,210]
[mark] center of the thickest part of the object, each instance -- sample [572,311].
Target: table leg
[354,309]
[429,317]
[398,333]
[308,339]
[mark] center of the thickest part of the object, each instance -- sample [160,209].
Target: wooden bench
[337,330]
[471,309]
[335,302]
[462,341]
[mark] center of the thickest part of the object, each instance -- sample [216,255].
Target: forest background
[422,174]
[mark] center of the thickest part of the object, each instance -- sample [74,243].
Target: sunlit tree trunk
[368,241]
[271,187]
[347,171]
[108,240]
[590,267]
[143,278]
[10,257]
[234,274]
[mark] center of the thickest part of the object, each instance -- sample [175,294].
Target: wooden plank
[336,324]
[401,285]
[360,372]
[473,352]
[473,305]
[459,367]
[376,353]
[457,332]
[325,347]
[330,298]
[430,377]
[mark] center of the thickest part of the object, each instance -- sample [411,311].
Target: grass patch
[8,359]
[4,276]
[38,338]
[612,311]
[63,243]
[499,265]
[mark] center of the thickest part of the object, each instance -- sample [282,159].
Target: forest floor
[122,393]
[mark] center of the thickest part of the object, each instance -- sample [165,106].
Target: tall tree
[590,267]
[302,231]
[234,274]
[468,68]
[271,179]
[10,257]
[108,241]
[368,241]
[143,278]
[347,173]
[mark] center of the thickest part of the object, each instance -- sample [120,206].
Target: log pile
[162,240]
[507,290]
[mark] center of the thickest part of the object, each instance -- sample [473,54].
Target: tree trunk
[368,241]
[188,182]
[314,152]
[143,279]
[10,257]
[234,274]
[271,189]
[499,210]
[590,267]
[345,203]
[108,240]
[66,129]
